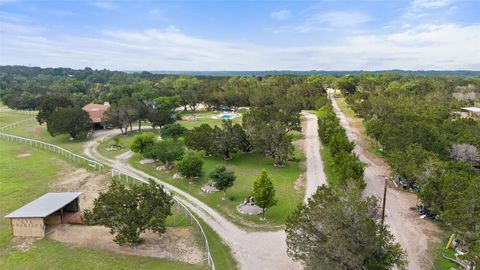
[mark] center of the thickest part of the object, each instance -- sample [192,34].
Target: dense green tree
[191,165]
[142,142]
[188,89]
[229,138]
[131,109]
[349,169]
[411,164]
[166,151]
[70,120]
[346,84]
[264,192]
[128,212]
[337,229]
[222,178]
[115,117]
[269,137]
[168,103]
[452,192]
[161,117]
[173,131]
[339,142]
[200,139]
[50,104]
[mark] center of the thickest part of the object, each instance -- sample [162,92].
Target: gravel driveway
[417,236]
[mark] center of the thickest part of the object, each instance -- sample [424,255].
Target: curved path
[414,234]
[253,250]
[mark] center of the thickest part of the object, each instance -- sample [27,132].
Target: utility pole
[384,200]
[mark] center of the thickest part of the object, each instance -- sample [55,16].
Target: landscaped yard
[287,181]
[247,167]
[203,117]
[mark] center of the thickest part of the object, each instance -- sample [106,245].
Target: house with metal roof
[33,219]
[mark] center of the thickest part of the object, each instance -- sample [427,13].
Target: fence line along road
[125,176]
[43,145]
[97,166]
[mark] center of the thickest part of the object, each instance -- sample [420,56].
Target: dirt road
[253,250]
[417,236]
[315,174]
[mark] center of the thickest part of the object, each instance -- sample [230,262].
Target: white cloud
[341,18]
[105,5]
[446,46]
[12,17]
[280,14]
[332,20]
[154,11]
[431,3]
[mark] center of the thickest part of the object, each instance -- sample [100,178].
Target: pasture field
[25,174]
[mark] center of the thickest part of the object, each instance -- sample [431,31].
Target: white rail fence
[128,177]
[97,166]
[48,146]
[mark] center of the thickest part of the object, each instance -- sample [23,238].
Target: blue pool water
[226,116]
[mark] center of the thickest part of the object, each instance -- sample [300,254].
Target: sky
[242,35]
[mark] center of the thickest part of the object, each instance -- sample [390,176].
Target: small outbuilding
[96,112]
[34,218]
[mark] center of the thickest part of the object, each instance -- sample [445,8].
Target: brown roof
[96,111]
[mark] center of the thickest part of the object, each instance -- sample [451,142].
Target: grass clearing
[328,167]
[125,141]
[48,254]
[247,167]
[33,130]
[12,116]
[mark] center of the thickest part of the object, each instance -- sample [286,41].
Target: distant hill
[322,72]
[80,73]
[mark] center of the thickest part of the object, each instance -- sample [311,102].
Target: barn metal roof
[45,205]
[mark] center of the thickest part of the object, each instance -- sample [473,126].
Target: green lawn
[125,141]
[440,263]
[247,167]
[34,131]
[11,116]
[48,254]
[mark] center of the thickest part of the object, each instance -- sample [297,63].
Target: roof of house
[472,109]
[96,111]
[45,205]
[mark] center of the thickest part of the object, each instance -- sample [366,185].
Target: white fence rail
[97,166]
[128,177]
[48,146]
